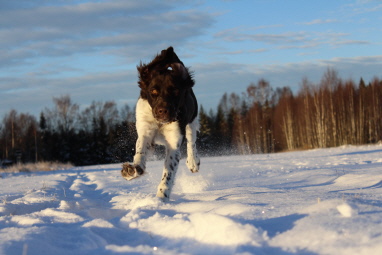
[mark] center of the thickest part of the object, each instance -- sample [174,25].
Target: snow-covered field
[326,201]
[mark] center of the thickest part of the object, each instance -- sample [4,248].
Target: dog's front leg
[143,143]
[146,130]
[173,140]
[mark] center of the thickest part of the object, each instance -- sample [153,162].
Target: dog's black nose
[162,112]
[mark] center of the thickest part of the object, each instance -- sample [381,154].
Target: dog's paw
[193,165]
[130,172]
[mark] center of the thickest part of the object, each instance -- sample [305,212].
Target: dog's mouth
[164,120]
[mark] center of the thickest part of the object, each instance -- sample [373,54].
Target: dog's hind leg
[173,140]
[193,161]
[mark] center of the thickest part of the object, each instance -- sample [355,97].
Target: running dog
[166,113]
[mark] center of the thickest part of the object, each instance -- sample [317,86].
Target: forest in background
[331,113]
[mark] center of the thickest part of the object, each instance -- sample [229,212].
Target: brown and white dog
[166,112]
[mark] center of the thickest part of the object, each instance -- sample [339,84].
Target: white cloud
[292,40]
[234,35]
[243,52]
[320,21]
[46,31]
[350,42]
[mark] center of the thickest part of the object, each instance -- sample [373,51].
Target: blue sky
[90,49]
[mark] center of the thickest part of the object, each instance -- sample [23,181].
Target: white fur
[151,131]
[193,160]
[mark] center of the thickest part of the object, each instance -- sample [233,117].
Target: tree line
[331,113]
[99,134]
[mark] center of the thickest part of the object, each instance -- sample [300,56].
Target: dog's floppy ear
[170,56]
[179,70]
[144,79]
[169,51]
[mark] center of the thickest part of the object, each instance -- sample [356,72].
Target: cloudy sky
[90,49]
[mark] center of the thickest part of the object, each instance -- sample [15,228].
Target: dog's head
[164,83]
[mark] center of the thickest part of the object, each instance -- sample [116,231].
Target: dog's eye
[176,92]
[154,92]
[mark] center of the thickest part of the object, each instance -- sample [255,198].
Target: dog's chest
[163,133]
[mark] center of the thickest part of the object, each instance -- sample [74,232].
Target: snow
[346,210]
[323,201]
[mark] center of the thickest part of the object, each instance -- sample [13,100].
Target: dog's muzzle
[163,115]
